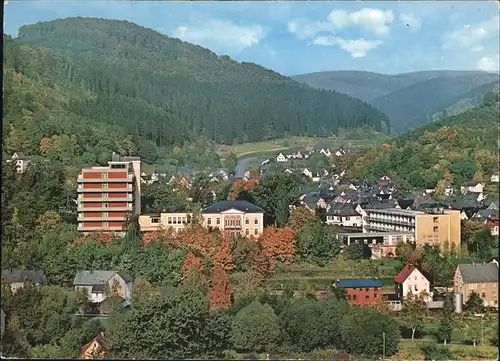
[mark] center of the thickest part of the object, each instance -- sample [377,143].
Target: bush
[434,352]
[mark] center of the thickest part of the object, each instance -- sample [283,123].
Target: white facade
[416,283]
[281,158]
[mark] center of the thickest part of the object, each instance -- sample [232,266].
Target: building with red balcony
[361,292]
[108,195]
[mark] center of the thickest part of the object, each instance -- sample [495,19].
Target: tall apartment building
[108,195]
[436,227]
[235,217]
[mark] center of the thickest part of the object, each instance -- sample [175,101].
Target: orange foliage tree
[258,264]
[278,244]
[241,186]
[220,295]
[46,144]
[223,258]
[191,262]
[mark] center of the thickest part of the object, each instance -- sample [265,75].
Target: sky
[302,37]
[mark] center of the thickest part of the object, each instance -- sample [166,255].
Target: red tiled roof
[404,274]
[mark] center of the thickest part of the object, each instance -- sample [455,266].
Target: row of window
[473,286]
[361,289]
[354,297]
[232,222]
[106,186]
[106,195]
[103,205]
[174,220]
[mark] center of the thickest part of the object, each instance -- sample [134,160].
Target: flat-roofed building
[437,227]
[108,195]
[234,217]
[382,244]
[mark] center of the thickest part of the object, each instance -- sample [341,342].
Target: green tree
[475,303]
[414,311]
[255,328]
[354,251]
[171,322]
[363,330]
[317,243]
[444,332]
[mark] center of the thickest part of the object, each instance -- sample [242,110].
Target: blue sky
[302,37]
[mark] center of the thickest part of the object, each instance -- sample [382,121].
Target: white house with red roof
[410,279]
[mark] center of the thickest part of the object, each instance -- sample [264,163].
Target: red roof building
[410,279]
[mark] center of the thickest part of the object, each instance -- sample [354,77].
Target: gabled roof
[479,273]
[91,278]
[100,340]
[358,283]
[242,206]
[21,275]
[405,273]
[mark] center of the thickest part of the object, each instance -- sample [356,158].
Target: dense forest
[163,91]
[458,148]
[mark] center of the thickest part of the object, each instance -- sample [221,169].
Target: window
[256,231]
[247,221]
[105,195]
[247,232]
[349,297]
[209,221]
[256,221]
[155,220]
[483,285]
[105,185]
[483,294]
[347,218]
[435,219]
[367,297]
[104,175]
[354,297]
[375,296]
[104,205]
[367,289]
[218,221]
[472,286]
[179,220]
[184,220]
[416,288]
[104,214]
[105,224]
[436,229]
[354,224]
[169,220]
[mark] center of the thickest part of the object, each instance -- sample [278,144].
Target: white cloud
[472,37]
[358,48]
[221,35]
[411,21]
[375,21]
[489,63]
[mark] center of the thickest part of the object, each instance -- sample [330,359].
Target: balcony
[128,178]
[82,218]
[104,209]
[105,190]
[97,198]
[390,220]
[81,228]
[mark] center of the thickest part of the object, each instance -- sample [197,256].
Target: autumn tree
[220,295]
[241,187]
[278,244]
[223,258]
[48,221]
[301,218]
[192,262]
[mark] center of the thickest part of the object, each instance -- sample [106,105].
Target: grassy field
[267,146]
[308,276]
[276,145]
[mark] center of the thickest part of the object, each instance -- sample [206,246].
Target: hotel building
[437,227]
[235,217]
[108,195]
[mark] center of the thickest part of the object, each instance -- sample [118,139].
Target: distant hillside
[168,92]
[395,94]
[360,84]
[456,148]
[415,105]
[469,100]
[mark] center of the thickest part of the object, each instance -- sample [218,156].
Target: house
[479,278]
[385,181]
[345,215]
[410,279]
[326,152]
[94,349]
[17,278]
[2,321]
[494,178]
[472,187]
[281,158]
[20,160]
[235,217]
[307,173]
[361,292]
[98,285]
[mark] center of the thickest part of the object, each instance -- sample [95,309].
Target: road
[242,165]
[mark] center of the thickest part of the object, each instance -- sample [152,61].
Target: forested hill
[167,91]
[458,148]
